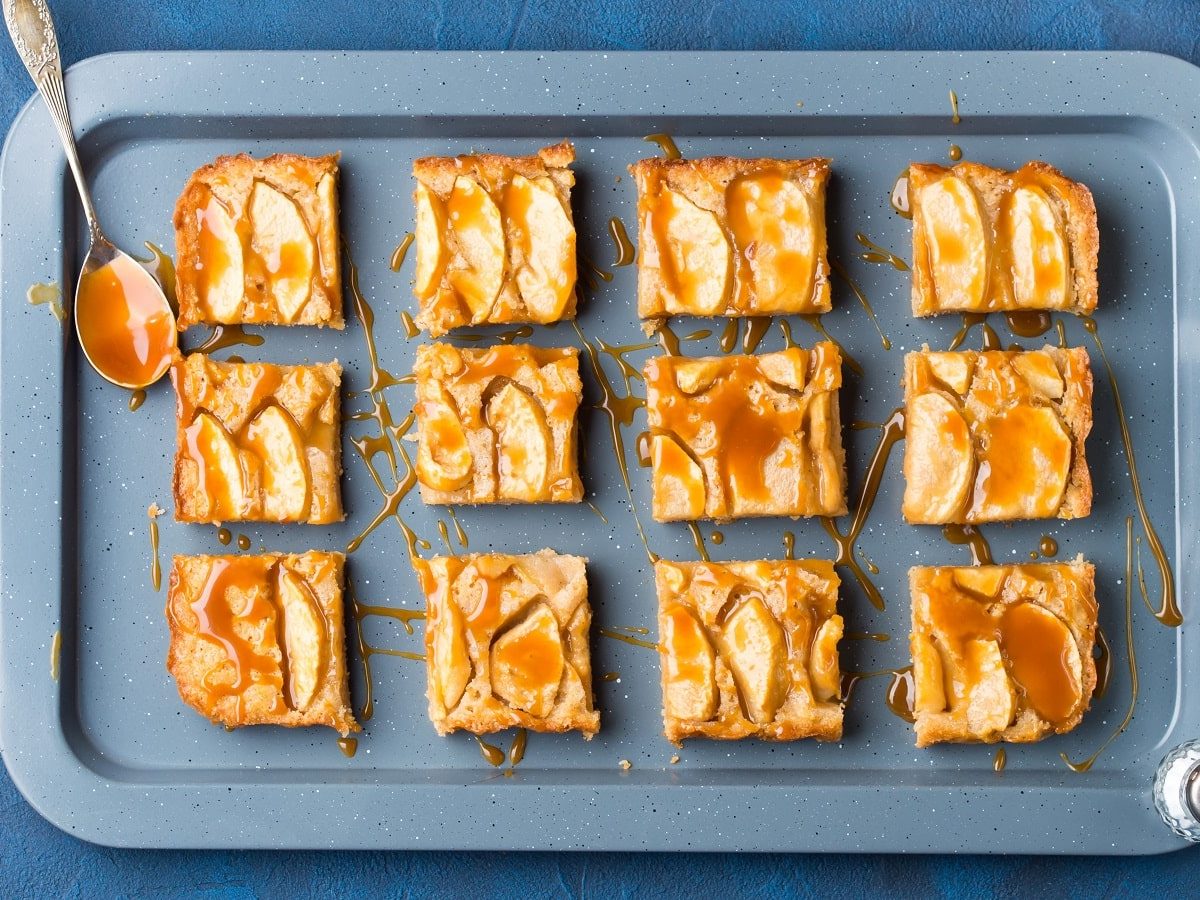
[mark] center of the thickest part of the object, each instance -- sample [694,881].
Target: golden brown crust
[310,182]
[749,649]
[706,183]
[1075,211]
[997,435]
[498,424]
[203,669]
[952,704]
[234,396]
[480,679]
[534,274]
[741,436]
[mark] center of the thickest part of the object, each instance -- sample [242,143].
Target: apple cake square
[724,236]
[987,240]
[257,242]
[1001,653]
[749,649]
[257,442]
[260,640]
[506,639]
[495,239]
[497,424]
[739,436]
[996,435]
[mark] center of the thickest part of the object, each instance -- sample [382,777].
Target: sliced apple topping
[991,702]
[222,275]
[928,678]
[523,444]
[689,667]
[1043,659]
[444,460]
[821,428]
[542,233]
[952,369]
[527,662]
[1040,372]
[772,223]
[698,255]
[754,647]
[984,581]
[1038,251]
[678,479]
[448,653]
[823,669]
[283,242]
[938,460]
[695,376]
[219,468]
[304,638]
[432,253]
[476,223]
[957,243]
[1024,463]
[287,488]
[787,369]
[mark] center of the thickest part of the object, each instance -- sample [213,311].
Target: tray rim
[30,130]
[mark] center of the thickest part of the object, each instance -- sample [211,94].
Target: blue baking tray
[103,747]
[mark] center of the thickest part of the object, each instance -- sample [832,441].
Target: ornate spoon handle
[32,30]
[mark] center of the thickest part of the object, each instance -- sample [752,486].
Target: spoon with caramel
[124,322]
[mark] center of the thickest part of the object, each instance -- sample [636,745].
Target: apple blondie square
[497,424]
[495,239]
[1001,653]
[996,435]
[724,236]
[987,240]
[506,640]
[257,442]
[260,640]
[749,649]
[257,242]
[738,436]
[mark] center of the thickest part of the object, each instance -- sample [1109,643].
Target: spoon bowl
[122,317]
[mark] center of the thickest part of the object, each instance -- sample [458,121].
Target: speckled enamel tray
[107,751]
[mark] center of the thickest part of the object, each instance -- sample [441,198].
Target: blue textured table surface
[37,859]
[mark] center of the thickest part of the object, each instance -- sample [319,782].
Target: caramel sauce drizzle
[152,513]
[628,638]
[502,337]
[591,272]
[1048,546]
[991,340]
[756,329]
[877,254]
[444,533]
[669,341]
[891,433]
[955,152]
[879,637]
[862,299]
[698,540]
[899,196]
[666,144]
[611,676]
[1103,655]
[1000,760]
[594,508]
[789,545]
[493,754]
[362,611]
[161,267]
[55,654]
[47,294]
[222,336]
[626,252]
[516,751]
[410,326]
[969,536]
[1086,764]
[871,567]
[243,542]
[851,680]
[1029,323]
[136,399]
[717,537]
[460,533]
[401,251]
[619,410]
[955,118]
[901,693]
[348,746]
[1062,334]
[224,535]
[729,336]
[1168,612]
[814,322]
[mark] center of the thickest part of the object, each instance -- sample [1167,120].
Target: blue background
[37,859]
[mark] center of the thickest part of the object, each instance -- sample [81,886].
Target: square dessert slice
[731,237]
[497,424]
[495,239]
[506,639]
[257,442]
[996,435]
[1001,653]
[750,649]
[261,640]
[986,240]
[739,436]
[257,242]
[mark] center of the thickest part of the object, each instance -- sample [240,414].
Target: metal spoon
[124,322]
